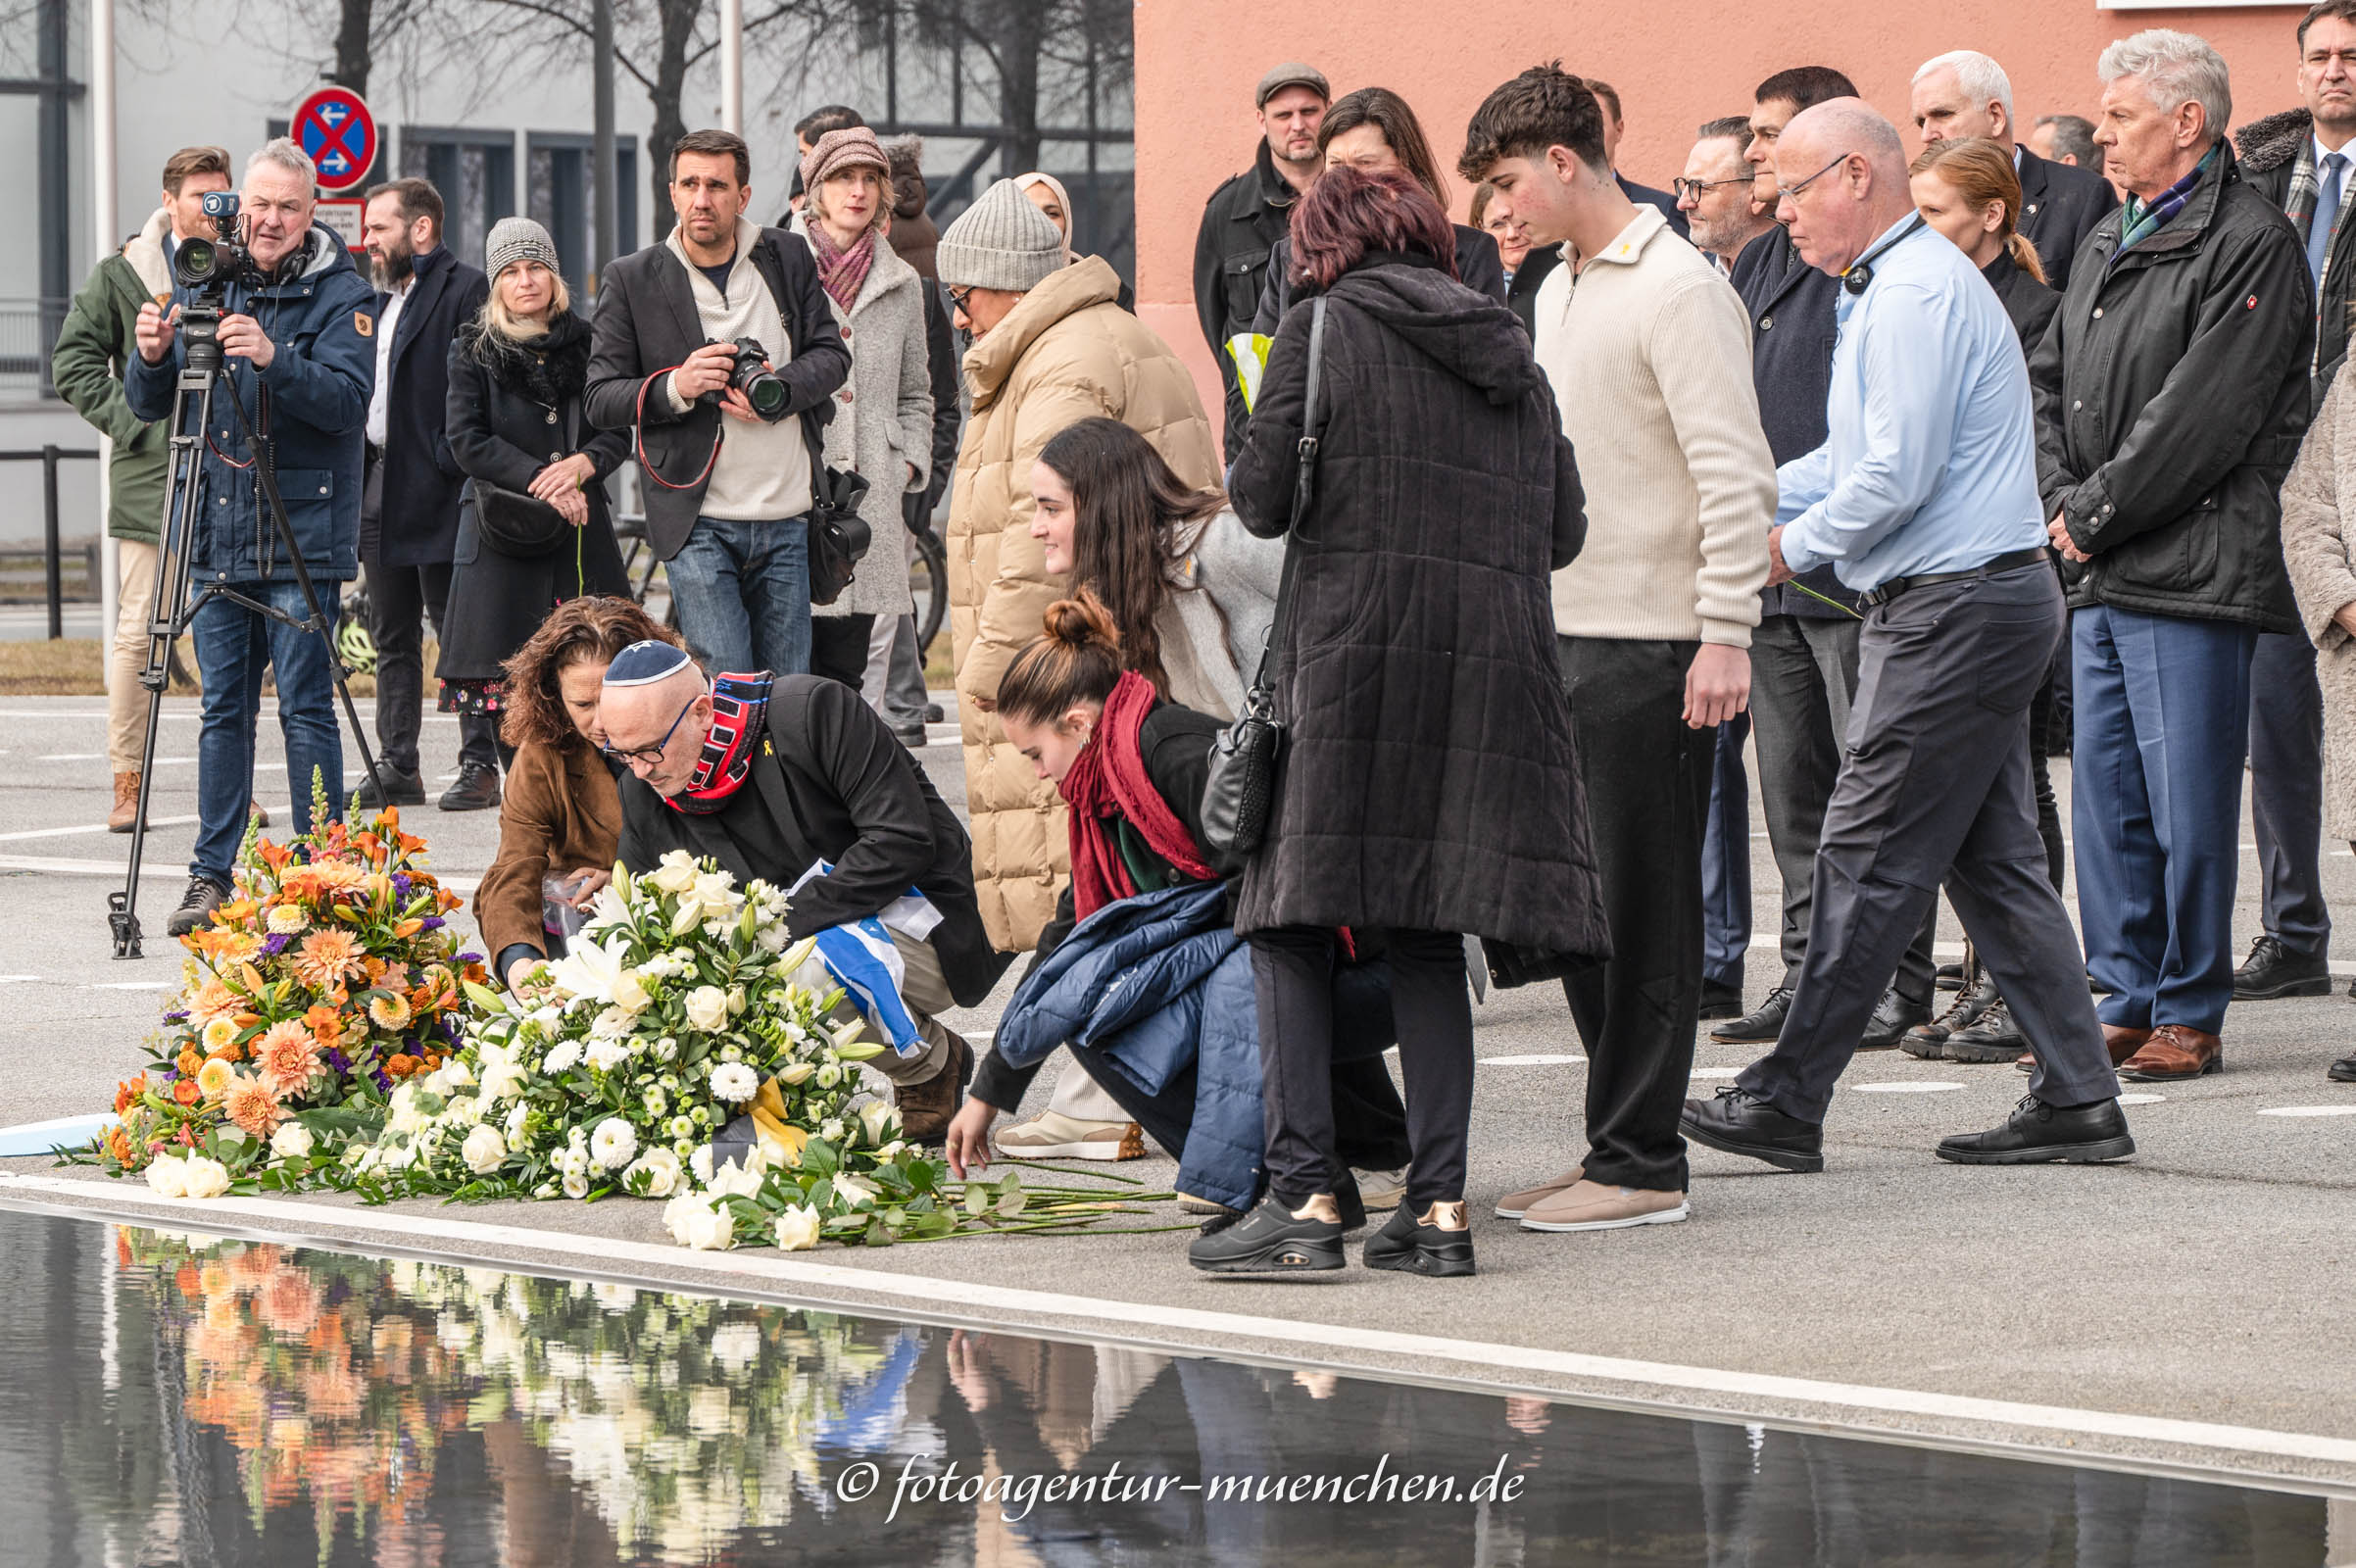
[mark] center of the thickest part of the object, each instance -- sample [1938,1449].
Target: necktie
[2326,215]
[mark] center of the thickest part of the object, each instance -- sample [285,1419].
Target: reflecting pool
[170,1398]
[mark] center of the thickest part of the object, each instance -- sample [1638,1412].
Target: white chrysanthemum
[614,1142]
[562,1056]
[605,1055]
[733,1083]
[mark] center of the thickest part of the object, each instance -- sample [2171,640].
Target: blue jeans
[742,589]
[233,646]
[2155,804]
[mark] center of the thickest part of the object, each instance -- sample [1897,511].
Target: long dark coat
[416,523]
[510,409]
[1430,780]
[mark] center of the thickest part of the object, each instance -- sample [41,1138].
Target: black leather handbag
[838,535]
[516,523]
[1240,795]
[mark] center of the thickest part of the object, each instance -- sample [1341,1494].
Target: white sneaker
[1052,1134]
[1381,1189]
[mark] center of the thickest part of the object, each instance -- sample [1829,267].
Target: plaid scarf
[740,711]
[2143,220]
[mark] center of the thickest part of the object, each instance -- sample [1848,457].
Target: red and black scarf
[740,713]
[1108,780]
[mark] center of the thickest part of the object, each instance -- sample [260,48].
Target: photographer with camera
[92,348]
[294,328]
[727,421]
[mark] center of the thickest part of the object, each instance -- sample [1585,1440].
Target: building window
[561,195]
[475,173]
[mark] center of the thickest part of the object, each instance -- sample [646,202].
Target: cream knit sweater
[1648,352]
[762,474]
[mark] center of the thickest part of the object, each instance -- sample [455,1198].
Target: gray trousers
[2286,788]
[1803,682]
[1936,785]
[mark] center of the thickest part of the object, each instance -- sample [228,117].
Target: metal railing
[28,329]
[52,547]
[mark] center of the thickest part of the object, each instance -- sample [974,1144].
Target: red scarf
[1108,781]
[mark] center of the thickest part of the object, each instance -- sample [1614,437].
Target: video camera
[753,378]
[209,266]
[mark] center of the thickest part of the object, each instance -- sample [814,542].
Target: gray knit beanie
[1002,241]
[517,239]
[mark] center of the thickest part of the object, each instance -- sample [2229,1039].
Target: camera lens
[766,393]
[196,261]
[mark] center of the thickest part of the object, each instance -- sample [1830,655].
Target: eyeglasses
[959,298]
[1695,187]
[651,755]
[1783,193]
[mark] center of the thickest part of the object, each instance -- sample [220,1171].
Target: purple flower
[384,1080]
[176,1017]
[434,922]
[276,943]
[401,884]
[468,957]
[338,1061]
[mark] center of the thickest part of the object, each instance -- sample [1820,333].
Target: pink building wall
[1674,66]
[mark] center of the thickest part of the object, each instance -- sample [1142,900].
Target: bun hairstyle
[1982,174]
[1078,659]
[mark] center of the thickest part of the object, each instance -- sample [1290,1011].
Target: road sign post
[335,127]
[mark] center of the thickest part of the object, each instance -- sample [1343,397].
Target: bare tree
[1026,49]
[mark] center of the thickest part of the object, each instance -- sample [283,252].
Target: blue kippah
[644,664]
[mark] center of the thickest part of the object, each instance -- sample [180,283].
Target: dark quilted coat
[1430,781]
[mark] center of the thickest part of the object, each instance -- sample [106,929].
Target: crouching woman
[1141,973]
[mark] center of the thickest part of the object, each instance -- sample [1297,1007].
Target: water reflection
[177,1399]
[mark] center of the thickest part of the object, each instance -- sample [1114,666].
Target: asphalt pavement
[2205,1281]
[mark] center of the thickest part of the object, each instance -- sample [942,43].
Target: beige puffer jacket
[1066,353]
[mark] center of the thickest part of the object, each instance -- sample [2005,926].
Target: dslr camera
[209,266]
[752,376]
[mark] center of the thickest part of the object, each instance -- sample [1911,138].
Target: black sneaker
[1410,1247]
[1266,1241]
[1995,1037]
[400,789]
[2342,1071]
[2275,969]
[2038,1134]
[476,789]
[197,904]
[1761,1025]
[1736,1123]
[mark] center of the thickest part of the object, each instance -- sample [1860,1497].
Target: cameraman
[295,336]
[732,525]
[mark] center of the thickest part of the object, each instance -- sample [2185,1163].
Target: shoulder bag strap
[1305,489]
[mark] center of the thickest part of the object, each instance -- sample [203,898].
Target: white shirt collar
[2346,149]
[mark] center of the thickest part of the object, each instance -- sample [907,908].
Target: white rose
[676,874]
[653,1174]
[700,1223]
[615,1143]
[715,888]
[855,1191]
[606,1055]
[630,992]
[456,1073]
[734,1082]
[666,1050]
[515,1119]
[205,1178]
[562,1056]
[293,1141]
[400,1156]
[706,1006]
[484,1151]
[740,1178]
[575,1186]
[880,1121]
[798,1229]
[168,1176]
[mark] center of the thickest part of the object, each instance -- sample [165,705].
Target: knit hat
[1002,241]
[517,239]
[851,147]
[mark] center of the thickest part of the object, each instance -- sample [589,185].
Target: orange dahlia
[325,958]
[252,1106]
[288,1055]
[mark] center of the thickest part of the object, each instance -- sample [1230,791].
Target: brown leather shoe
[926,1108]
[2175,1051]
[126,802]
[2122,1042]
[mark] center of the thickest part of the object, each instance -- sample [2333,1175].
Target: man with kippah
[795,780]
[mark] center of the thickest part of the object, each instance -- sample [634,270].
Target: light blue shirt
[1931,461]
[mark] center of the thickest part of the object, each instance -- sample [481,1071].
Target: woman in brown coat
[562,817]
[2319,546]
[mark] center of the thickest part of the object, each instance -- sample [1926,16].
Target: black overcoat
[513,410]
[415,522]
[1430,780]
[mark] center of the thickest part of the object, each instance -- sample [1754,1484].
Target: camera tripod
[175,600]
